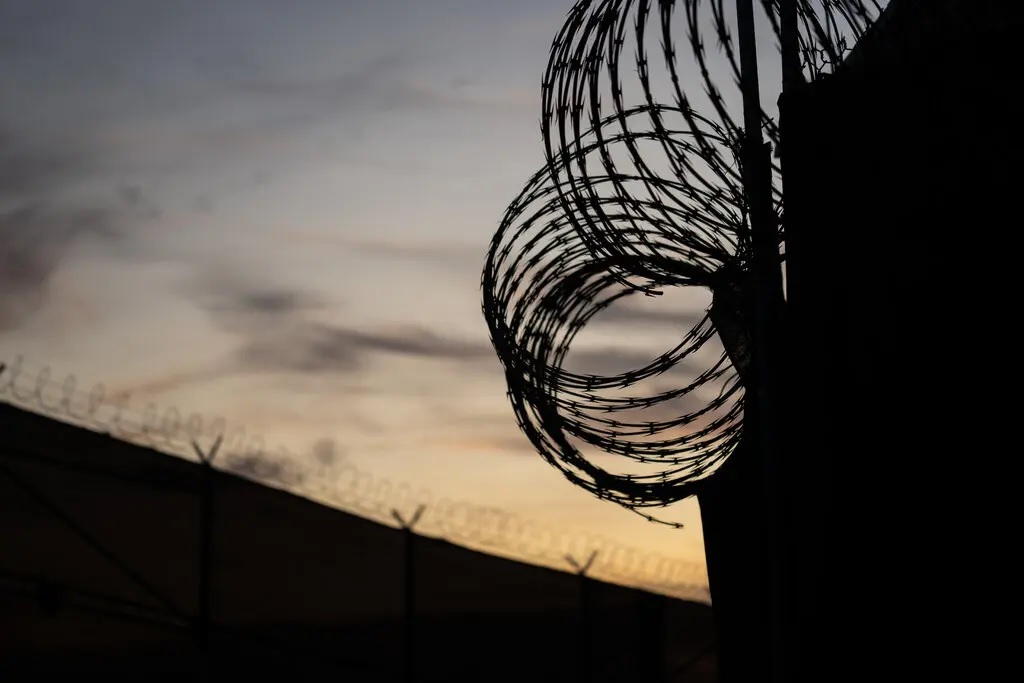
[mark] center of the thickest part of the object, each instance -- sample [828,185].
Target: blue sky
[278,212]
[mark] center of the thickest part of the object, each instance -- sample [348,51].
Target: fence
[345,486]
[176,565]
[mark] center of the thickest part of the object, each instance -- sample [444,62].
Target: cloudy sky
[277,213]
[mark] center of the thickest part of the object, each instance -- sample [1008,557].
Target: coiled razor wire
[342,485]
[640,192]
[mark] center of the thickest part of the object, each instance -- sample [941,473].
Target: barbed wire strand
[343,485]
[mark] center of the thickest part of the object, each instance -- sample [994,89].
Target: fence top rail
[343,485]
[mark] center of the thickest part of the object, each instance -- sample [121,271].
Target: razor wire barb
[342,485]
[642,190]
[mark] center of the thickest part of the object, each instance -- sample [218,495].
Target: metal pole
[586,670]
[792,79]
[206,511]
[792,74]
[767,281]
[205,554]
[409,603]
[409,589]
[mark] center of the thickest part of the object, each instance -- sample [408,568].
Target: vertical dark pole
[584,630]
[768,299]
[792,75]
[409,629]
[206,512]
[792,79]
[586,646]
[409,603]
[731,513]
[205,554]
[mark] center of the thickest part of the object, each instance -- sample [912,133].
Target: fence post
[409,588]
[205,541]
[585,642]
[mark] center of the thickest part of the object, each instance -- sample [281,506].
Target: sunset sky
[278,213]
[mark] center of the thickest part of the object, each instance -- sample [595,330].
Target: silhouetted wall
[901,190]
[297,589]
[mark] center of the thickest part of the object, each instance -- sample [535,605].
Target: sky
[277,213]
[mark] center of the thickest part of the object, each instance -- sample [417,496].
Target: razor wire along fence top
[640,192]
[342,485]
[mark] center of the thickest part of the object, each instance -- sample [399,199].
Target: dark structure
[101,574]
[898,272]
[656,179]
[901,158]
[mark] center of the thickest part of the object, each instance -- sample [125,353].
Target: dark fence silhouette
[884,294]
[117,559]
[341,485]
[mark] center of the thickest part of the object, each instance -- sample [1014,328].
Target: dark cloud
[610,361]
[450,257]
[134,198]
[278,333]
[380,83]
[327,452]
[131,194]
[415,341]
[607,362]
[352,85]
[33,171]
[275,302]
[240,307]
[315,347]
[40,222]
[623,314]
[302,348]
[264,468]
[204,204]
[34,239]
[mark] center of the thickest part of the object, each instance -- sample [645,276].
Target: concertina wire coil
[640,192]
